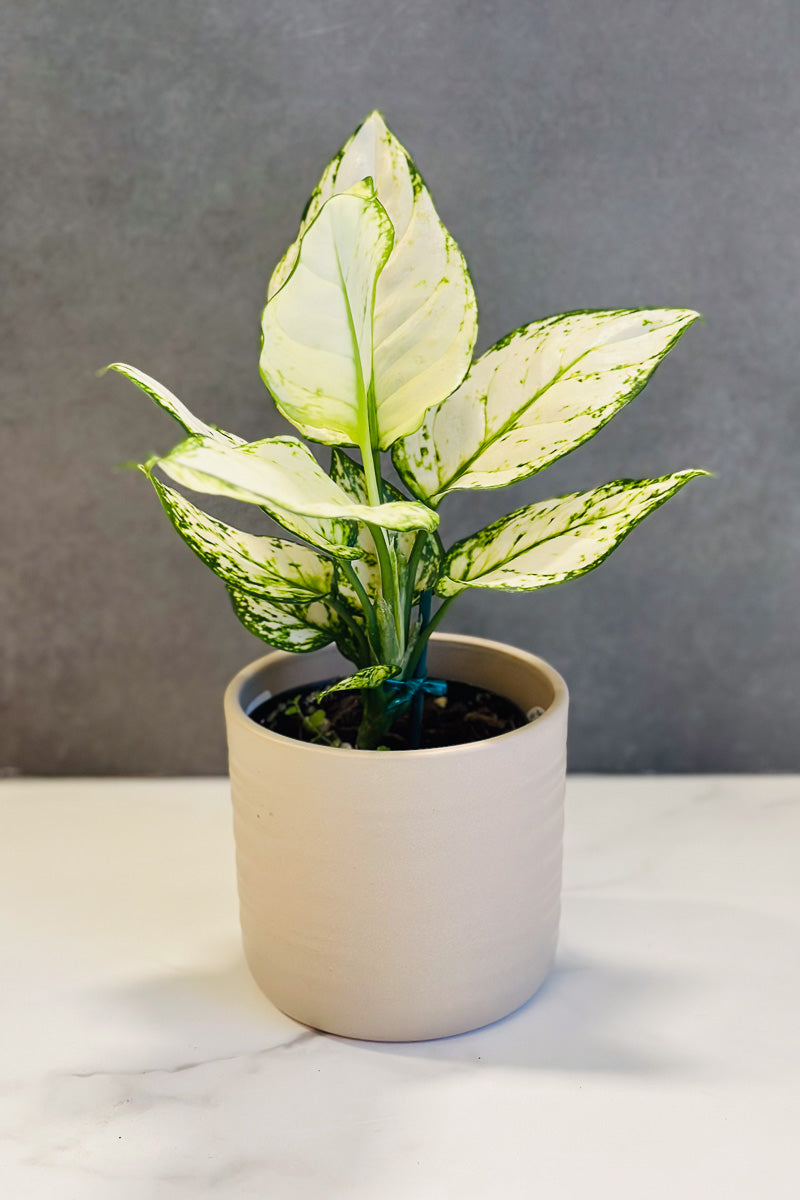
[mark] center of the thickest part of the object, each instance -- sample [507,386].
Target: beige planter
[400,896]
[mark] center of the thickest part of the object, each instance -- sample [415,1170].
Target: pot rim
[235,711]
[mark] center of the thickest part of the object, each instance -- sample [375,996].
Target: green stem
[375,722]
[366,604]
[420,671]
[411,576]
[422,639]
[384,561]
[387,559]
[372,473]
[341,608]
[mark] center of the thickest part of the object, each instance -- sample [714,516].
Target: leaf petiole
[367,606]
[411,577]
[423,636]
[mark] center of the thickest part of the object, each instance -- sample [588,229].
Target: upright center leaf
[317,330]
[425,321]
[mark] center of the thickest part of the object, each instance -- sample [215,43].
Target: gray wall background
[155,161]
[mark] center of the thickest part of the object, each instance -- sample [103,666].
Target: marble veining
[140,1062]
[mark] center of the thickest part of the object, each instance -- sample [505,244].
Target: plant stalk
[373,635]
[358,636]
[387,558]
[411,577]
[375,721]
[423,636]
[420,671]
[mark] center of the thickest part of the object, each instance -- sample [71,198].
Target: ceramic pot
[406,895]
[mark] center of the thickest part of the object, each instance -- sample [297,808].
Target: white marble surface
[660,1061]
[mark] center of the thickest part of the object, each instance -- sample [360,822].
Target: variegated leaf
[367,677]
[425,320]
[281,472]
[536,395]
[266,565]
[294,627]
[336,536]
[316,355]
[350,477]
[555,540]
[165,400]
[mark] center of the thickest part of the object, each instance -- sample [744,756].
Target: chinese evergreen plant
[367,340]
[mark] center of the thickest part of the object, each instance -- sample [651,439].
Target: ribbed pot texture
[400,895]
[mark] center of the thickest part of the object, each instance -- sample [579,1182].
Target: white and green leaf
[336,536]
[349,475]
[170,404]
[425,315]
[294,627]
[280,472]
[317,330]
[367,677]
[270,566]
[536,395]
[555,540]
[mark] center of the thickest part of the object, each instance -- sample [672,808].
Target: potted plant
[412,893]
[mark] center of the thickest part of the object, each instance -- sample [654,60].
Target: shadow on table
[588,1016]
[612,1010]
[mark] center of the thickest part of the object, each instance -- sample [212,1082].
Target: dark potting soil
[464,714]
